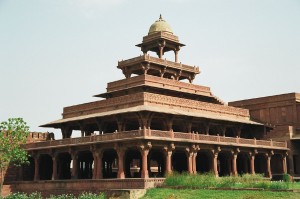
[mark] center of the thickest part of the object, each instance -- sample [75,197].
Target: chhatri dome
[160,25]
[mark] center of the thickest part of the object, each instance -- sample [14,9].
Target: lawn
[164,193]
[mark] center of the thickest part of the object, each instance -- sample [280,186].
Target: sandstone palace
[154,122]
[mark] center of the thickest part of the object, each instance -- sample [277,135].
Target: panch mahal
[153,122]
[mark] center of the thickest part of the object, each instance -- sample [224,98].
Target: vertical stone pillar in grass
[196,149]
[168,150]
[191,153]
[36,167]
[215,153]
[234,158]
[268,159]
[284,166]
[144,149]
[252,161]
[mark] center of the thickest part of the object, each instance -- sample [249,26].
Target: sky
[57,53]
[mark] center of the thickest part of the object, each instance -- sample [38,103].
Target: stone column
[284,167]
[234,167]
[75,165]
[54,167]
[99,155]
[190,161]
[268,159]
[121,152]
[252,163]
[176,55]
[195,162]
[215,153]
[37,167]
[168,155]
[95,165]
[144,171]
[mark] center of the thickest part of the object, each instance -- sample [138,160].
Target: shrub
[34,195]
[286,177]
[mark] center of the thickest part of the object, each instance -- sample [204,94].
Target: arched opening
[28,170]
[203,162]
[45,167]
[276,164]
[243,163]
[224,164]
[179,162]
[133,163]
[260,164]
[156,163]
[109,164]
[86,165]
[64,166]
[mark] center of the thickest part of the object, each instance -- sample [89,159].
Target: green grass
[164,193]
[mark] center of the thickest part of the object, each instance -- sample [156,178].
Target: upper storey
[160,39]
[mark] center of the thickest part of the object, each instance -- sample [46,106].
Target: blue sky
[55,53]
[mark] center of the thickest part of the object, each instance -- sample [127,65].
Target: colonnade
[144,161]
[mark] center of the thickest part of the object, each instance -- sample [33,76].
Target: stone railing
[155,60]
[158,135]
[159,82]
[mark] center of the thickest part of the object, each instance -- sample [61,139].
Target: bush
[286,177]
[24,196]
[209,180]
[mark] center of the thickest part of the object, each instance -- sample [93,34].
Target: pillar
[234,167]
[268,159]
[161,50]
[252,163]
[144,172]
[195,162]
[95,165]
[121,152]
[54,170]
[36,168]
[190,162]
[176,55]
[168,155]
[215,162]
[75,165]
[284,166]
[99,155]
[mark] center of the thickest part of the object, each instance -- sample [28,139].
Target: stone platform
[129,187]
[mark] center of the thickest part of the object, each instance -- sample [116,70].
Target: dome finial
[160,25]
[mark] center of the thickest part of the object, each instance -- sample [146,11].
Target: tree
[13,134]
